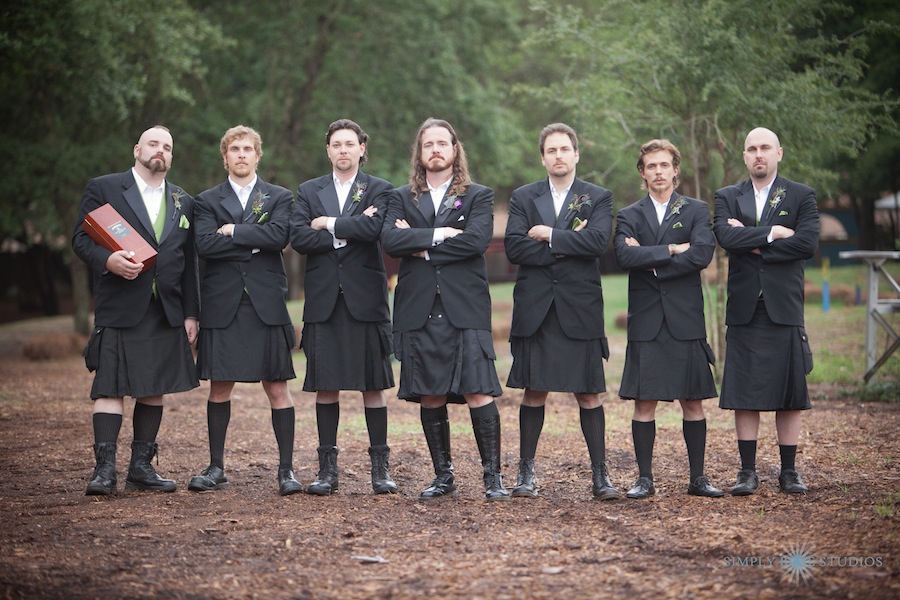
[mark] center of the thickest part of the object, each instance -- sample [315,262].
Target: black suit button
[555,282]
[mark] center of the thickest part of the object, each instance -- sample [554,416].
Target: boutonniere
[778,197]
[783,213]
[358,191]
[676,207]
[177,195]
[258,203]
[575,206]
[452,202]
[184,223]
[677,225]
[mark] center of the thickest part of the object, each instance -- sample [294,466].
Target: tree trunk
[81,296]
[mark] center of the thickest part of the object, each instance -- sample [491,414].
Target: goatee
[155,165]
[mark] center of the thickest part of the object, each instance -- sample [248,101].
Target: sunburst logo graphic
[798,563]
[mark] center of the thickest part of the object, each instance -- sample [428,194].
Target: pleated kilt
[150,359]
[551,361]
[765,366]
[345,354]
[441,360]
[247,350]
[668,369]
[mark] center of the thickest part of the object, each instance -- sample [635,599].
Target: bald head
[153,152]
[762,153]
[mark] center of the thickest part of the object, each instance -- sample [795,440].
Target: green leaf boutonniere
[258,203]
[676,207]
[677,225]
[358,191]
[575,206]
[780,193]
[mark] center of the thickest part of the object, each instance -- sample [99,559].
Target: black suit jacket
[230,263]
[119,302]
[457,265]
[568,272]
[674,292]
[358,267]
[778,270]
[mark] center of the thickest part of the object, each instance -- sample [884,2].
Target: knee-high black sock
[788,456]
[146,422]
[106,428]
[283,424]
[484,412]
[430,415]
[644,434]
[695,440]
[593,426]
[531,422]
[327,418]
[747,450]
[376,423]
[218,415]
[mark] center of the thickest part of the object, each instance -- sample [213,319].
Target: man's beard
[443,165]
[155,164]
[760,174]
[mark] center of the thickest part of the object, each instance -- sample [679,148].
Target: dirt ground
[842,540]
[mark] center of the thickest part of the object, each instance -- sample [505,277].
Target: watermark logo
[799,563]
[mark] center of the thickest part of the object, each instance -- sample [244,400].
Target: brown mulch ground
[248,542]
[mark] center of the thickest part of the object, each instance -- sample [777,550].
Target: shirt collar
[238,188]
[143,185]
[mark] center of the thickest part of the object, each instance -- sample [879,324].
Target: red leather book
[107,227]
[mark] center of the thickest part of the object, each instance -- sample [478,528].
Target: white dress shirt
[153,197]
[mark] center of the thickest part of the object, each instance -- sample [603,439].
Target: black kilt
[247,350]
[441,360]
[551,361]
[668,369]
[150,359]
[345,354]
[765,366]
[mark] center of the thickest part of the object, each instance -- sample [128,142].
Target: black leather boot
[103,481]
[326,482]
[437,434]
[525,484]
[487,435]
[602,488]
[381,478]
[141,474]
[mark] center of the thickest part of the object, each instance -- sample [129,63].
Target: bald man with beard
[769,226]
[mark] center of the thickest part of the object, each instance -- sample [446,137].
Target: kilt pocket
[710,354]
[604,344]
[807,352]
[91,352]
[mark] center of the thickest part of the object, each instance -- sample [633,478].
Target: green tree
[703,74]
[81,79]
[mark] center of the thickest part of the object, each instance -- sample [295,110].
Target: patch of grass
[888,506]
[849,459]
[880,392]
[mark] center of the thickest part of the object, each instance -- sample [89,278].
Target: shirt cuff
[437,237]
[329,225]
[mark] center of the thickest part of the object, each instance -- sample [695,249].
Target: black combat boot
[487,435]
[141,474]
[326,482]
[381,478]
[437,434]
[103,481]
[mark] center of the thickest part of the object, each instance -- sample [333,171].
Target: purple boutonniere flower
[453,202]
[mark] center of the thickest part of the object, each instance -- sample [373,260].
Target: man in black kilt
[346,319]
[245,330]
[770,227]
[144,322]
[440,225]
[664,241]
[557,231]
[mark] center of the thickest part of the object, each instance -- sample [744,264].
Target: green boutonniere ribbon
[677,225]
[184,223]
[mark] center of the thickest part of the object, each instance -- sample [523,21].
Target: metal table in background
[877,307]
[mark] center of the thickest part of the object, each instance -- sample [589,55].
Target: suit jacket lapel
[747,204]
[352,205]
[667,221]
[328,197]
[544,205]
[649,212]
[768,209]
[169,205]
[231,203]
[134,199]
[426,206]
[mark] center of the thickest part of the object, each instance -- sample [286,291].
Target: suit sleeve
[521,249]
[697,257]
[475,238]
[273,234]
[590,242]
[209,244]
[739,240]
[362,227]
[403,242]
[305,239]
[801,245]
[636,258]
[190,277]
[85,248]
